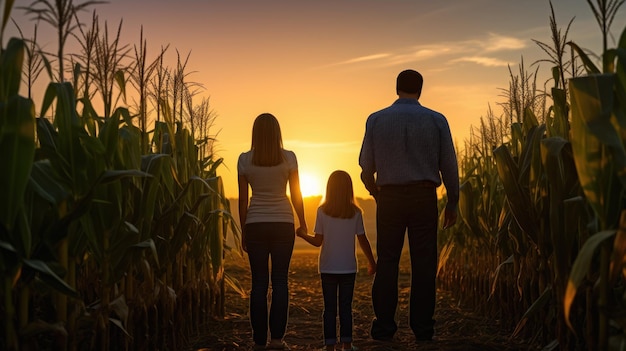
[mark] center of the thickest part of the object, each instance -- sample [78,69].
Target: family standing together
[407,152]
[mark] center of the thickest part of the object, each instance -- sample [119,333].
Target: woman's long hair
[339,200]
[267,141]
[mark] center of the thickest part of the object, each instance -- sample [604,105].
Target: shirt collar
[406,101]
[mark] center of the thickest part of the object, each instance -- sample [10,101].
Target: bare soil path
[456,329]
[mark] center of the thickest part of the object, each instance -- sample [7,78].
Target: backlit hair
[267,142]
[339,200]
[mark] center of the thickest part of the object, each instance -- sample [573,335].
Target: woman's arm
[296,200]
[367,250]
[243,209]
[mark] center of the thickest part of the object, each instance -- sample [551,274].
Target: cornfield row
[111,235]
[542,241]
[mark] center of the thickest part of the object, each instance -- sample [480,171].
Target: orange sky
[321,67]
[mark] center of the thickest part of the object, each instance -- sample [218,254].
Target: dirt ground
[455,329]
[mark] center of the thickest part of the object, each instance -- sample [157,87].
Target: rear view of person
[338,221]
[267,227]
[407,153]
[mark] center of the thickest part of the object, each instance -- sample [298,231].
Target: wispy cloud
[496,42]
[481,51]
[483,61]
[365,58]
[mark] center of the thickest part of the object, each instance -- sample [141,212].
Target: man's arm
[450,175]
[367,162]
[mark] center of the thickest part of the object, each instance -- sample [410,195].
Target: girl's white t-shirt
[338,252]
[269,201]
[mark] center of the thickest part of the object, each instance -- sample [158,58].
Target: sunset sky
[321,67]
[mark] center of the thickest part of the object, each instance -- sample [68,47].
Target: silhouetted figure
[407,151]
[338,221]
[267,227]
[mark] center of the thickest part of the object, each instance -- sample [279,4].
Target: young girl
[267,227]
[338,220]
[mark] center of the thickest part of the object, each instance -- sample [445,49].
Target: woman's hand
[302,232]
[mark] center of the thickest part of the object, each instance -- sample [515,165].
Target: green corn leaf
[11,60]
[560,124]
[17,140]
[589,65]
[468,197]
[217,230]
[109,136]
[49,277]
[598,149]
[130,147]
[47,138]
[581,268]
[494,284]
[538,306]
[560,171]
[6,14]
[517,196]
[44,183]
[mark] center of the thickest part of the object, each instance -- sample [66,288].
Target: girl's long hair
[339,200]
[267,141]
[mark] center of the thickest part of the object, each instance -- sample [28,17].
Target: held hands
[302,232]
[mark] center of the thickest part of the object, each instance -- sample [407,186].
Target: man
[407,152]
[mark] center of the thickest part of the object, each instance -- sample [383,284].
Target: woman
[268,226]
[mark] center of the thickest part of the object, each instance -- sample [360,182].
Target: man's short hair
[410,81]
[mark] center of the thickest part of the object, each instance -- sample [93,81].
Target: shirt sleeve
[360,228]
[366,159]
[319,222]
[241,168]
[448,166]
[292,161]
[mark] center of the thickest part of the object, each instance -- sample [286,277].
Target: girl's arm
[367,250]
[243,209]
[316,240]
[296,200]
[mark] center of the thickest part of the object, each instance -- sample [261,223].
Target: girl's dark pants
[338,290]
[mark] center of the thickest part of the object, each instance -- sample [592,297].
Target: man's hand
[449,219]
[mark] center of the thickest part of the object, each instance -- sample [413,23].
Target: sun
[310,185]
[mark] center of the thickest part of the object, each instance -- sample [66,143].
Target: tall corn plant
[135,230]
[61,15]
[532,173]
[16,135]
[25,260]
[598,140]
[542,190]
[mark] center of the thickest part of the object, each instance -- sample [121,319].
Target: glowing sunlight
[310,185]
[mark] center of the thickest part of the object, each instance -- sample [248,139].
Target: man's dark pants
[401,208]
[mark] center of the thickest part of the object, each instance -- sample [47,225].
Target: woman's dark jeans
[331,285]
[269,243]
